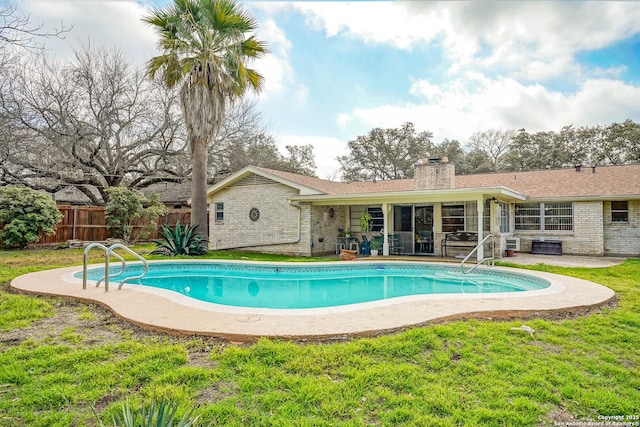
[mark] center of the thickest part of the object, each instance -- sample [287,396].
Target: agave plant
[162,414]
[181,240]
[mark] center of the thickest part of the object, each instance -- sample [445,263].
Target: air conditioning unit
[512,243]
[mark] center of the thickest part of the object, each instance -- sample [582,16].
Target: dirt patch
[96,326]
[200,359]
[216,393]
[550,348]
[558,416]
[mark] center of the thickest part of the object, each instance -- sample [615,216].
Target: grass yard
[60,361]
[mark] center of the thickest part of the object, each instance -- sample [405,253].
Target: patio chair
[396,244]
[354,245]
[425,240]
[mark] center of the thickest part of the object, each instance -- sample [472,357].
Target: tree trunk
[199,185]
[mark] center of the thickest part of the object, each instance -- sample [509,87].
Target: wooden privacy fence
[88,223]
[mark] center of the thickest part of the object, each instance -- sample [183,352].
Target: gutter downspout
[290,242]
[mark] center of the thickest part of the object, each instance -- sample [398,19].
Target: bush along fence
[88,223]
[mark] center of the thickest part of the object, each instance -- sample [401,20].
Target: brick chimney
[435,173]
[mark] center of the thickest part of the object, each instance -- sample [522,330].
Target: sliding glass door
[412,231]
[423,229]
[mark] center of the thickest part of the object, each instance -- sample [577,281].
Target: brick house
[583,210]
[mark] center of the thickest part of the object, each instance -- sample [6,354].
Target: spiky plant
[181,240]
[156,414]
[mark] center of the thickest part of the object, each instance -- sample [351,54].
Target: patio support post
[495,226]
[385,229]
[480,208]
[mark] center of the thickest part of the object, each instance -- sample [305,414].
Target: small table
[425,244]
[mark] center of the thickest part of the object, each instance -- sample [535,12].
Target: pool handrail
[489,258]
[108,252]
[86,261]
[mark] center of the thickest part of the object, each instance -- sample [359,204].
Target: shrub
[183,240]
[126,207]
[25,214]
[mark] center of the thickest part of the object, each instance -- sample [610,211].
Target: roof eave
[606,197]
[422,196]
[248,170]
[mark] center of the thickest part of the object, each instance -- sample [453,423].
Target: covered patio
[417,222]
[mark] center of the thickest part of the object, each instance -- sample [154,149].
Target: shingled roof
[335,187]
[603,181]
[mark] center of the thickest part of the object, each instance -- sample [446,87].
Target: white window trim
[542,217]
[620,210]
[216,210]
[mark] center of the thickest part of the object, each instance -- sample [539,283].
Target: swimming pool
[278,286]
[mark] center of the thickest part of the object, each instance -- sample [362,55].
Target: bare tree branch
[16,30]
[94,123]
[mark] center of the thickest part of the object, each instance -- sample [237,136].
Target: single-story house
[583,210]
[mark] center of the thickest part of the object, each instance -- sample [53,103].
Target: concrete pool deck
[170,312]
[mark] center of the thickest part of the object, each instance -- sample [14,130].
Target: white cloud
[532,40]
[279,76]
[342,120]
[603,102]
[300,95]
[423,88]
[374,22]
[106,23]
[480,103]
[540,40]
[325,150]
[275,66]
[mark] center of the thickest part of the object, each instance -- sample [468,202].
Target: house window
[505,217]
[544,216]
[558,216]
[219,212]
[486,216]
[620,211]
[486,221]
[377,220]
[528,217]
[452,218]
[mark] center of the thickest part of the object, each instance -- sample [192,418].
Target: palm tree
[205,47]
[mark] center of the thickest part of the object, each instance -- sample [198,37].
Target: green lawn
[59,360]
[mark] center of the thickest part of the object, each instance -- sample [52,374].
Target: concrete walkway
[174,313]
[563,260]
[522,258]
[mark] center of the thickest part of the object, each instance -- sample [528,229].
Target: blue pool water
[315,286]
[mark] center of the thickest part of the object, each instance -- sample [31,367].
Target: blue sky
[338,69]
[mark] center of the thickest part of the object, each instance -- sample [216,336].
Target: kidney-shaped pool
[316,286]
[360,298]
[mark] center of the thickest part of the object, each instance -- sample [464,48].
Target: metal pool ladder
[491,258]
[107,257]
